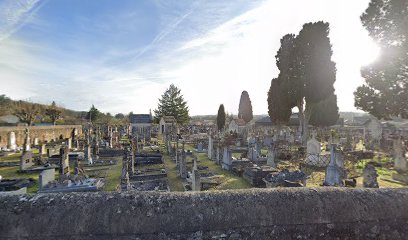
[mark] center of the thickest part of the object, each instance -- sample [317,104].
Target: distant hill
[8,108]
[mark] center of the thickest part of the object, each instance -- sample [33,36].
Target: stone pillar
[69,143]
[64,161]
[26,146]
[11,144]
[195,180]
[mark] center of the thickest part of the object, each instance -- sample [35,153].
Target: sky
[122,55]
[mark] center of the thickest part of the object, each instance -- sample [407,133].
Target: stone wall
[43,133]
[302,213]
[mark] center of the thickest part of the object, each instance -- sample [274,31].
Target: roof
[169,119]
[140,118]
[264,121]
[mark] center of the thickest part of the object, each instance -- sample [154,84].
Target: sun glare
[367,53]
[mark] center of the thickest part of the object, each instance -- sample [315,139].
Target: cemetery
[315,147]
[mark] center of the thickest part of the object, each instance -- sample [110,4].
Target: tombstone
[200,147]
[128,185]
[226,159]
[35,141]
[88,154]
[334,173]
[195,180]
[313,146]
[26,160]
[252,154]
[210,146]
[182,166]
[69,143]
[370,176]
[12,141]
[26,146]
[46,176]
[400,163]
[270,161]
[132,159]
[375,129]
[43,149]
[64,161]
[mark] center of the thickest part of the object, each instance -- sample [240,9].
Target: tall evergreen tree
[221,117]
[278,109]
[307,73]
[385,92]
[325,113]
[172,104]
[245,107]
[93,114]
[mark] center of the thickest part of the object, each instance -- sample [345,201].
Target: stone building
[141,125]
[166,124]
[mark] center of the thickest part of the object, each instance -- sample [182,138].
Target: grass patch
[230,181]
[113,176]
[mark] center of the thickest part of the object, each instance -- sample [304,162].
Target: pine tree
[93,114]
[384,93]
[245,107]
[221,118]
[172,104]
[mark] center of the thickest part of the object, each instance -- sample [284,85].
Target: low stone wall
[302,213]
[43,133]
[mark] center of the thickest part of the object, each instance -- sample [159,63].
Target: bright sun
[366,53]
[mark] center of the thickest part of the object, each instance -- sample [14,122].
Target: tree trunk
[307,114]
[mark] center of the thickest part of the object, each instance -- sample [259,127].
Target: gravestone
[183,166]
[370,176]
[400,163]
[12,141]
[46,176]
[88,154]
[226,159]
[195,180]
[210,146]
[313,146]
[36,141]
[200,147]
[26,160]
[271,157]
[252,154]
[69,143]
[64,161]
[334,173]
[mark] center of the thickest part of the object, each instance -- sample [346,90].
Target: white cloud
[210,59]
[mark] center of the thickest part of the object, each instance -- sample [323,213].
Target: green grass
[113,176]
[175,182]
[229,180]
